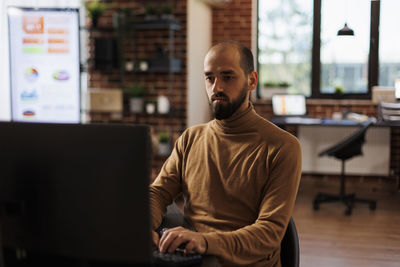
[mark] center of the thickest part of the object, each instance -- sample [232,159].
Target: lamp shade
[345,30]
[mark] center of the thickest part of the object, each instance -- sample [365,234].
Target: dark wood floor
[329,238]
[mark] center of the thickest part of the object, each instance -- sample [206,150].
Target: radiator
[374,161]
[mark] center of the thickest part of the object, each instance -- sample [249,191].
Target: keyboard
[178,258]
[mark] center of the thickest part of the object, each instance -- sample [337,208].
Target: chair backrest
[290,251]
[351,145]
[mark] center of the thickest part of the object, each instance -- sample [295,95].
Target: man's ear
[252,80]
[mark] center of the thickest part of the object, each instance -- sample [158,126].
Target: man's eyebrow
[224,72]
[227,72]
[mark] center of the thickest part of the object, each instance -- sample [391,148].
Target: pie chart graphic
[61,75]
[29,113]
[31,74]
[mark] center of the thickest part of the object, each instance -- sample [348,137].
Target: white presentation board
[44,64]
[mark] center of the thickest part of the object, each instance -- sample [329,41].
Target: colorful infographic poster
[44,59]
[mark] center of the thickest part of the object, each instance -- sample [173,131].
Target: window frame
[373,57]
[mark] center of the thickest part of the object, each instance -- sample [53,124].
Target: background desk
[297,121]
[316,134]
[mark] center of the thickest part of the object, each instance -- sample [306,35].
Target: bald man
[238,173]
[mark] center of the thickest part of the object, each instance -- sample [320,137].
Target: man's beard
[225,110]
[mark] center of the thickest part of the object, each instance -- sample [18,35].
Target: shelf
[97,29]
[163,65]
[158,24]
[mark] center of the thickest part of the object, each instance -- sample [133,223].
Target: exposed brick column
[232,22]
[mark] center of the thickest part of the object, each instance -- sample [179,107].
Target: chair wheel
[348,211]
[372,206]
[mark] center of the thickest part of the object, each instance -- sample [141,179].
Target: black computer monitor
[73,193]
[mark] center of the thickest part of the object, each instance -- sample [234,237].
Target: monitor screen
[76,192]
[44,64]
[289,105]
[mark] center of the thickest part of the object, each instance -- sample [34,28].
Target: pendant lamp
[345,30]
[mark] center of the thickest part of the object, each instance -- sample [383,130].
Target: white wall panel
[374,161]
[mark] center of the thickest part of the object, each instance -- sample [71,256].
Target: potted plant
[151,11]
[95,8]
[338,91]
[271,88]
[136,97]
[166,11]
[164,147]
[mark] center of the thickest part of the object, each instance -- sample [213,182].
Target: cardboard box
[105,100]
[384,94]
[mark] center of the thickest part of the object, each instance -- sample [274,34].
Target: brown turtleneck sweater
[239,179]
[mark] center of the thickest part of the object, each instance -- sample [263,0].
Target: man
[238,173]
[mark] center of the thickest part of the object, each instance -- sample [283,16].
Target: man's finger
[178,239]
[171,239]
[156,239]
[166,239]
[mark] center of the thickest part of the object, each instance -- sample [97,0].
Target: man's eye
[209,79]
[228,78]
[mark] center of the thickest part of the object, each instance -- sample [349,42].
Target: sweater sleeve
[261,240]
[167,185]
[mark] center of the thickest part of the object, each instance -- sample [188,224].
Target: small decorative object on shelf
[143,65]
[151,106]
[338,91]
[121,18]
[164,146]
[166,11]
[96,8]
[136,97]
[129,65]
[162,104]
[151,11]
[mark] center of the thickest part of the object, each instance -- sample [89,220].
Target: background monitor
[289,105]
[44,64]
[73,193]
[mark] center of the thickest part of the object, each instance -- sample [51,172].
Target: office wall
[324,108]
[198,43]
[233,22]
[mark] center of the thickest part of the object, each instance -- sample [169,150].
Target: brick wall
[143,44]
[232,22]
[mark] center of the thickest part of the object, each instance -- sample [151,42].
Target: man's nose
[217,86]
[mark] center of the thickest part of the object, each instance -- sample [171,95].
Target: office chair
[290,250]
[344,150]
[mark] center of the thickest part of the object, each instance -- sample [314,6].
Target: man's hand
[156,239]
[175,237]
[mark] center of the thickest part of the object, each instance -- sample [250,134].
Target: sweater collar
[238,122]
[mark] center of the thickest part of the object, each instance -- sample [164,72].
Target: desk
[317,134]
[296,121]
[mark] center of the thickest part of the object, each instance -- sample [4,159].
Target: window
[285,42]
[344,59]
[298,44]
[389,42]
